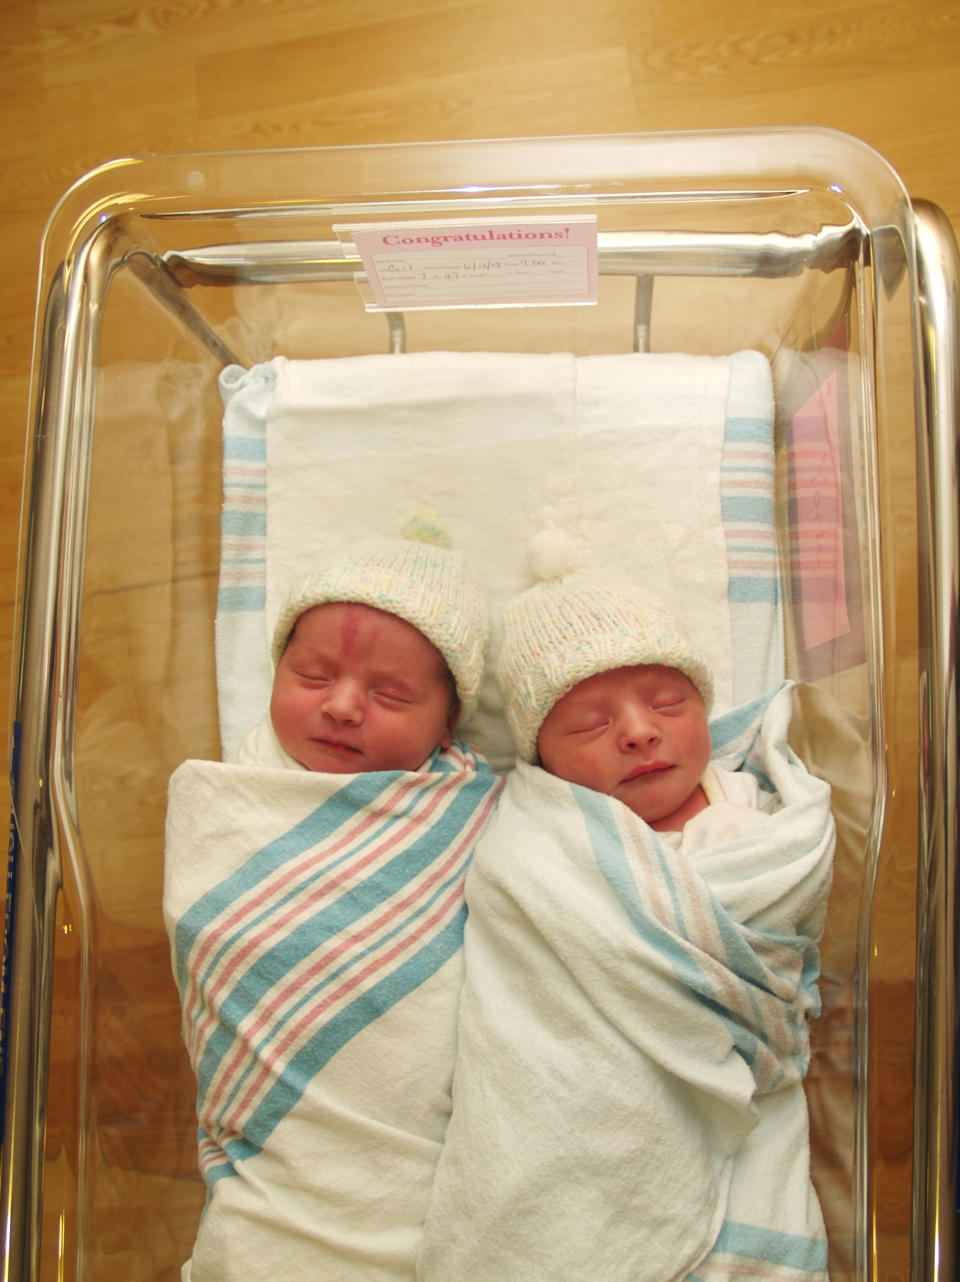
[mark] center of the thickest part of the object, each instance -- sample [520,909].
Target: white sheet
[660,466]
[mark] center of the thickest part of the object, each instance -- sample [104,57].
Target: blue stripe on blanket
[742,591]
[747,508]
[243,517]
[749,429]
[251,449]
[328,924]
[736,740]
[733,734]
[358,792]
[753,510]
[242,600]
[336,1032]
[766,1246]
[748,514]
[243,522]
[331,922]
[338,916]
[331,1037]
[733,738]
[613,863]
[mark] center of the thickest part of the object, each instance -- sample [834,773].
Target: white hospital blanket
[316,924]
[661,467]
[628,1102]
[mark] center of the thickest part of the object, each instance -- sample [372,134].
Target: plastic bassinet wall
[156,274]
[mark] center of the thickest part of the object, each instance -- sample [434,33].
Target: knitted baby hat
[569,627]
[417,578]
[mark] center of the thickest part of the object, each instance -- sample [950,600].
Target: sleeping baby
[360,686]
[636,731]
[640,970]
[313,895]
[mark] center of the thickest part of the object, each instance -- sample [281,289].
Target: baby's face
[639,734]
[358,690]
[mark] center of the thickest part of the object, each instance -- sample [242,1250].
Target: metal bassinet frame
[97,247]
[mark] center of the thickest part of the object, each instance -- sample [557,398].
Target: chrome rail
[937,1049]
[666,253]
[42,789]
[30,928]
[642,256]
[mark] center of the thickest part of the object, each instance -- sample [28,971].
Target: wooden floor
[85,81]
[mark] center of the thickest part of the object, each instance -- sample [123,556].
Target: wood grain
[84,81]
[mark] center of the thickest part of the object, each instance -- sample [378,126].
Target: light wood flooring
[86,81]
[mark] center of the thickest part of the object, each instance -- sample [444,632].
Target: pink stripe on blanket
[274,1059]
[282,883]
[688,911]
[357,937]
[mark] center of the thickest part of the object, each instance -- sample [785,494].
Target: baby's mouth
[647,768]
[337,747]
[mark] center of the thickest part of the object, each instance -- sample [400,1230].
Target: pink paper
[817,518]
[490,263]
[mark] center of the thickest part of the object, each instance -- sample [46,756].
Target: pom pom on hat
[418,578]
[425,526]
[568,627]
[552,554]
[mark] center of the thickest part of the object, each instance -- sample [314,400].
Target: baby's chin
[329,766]
[332,759]
[337,759]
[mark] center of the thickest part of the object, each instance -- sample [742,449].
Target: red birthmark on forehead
[360,627]
[349,630]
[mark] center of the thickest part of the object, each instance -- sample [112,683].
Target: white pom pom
[551,554]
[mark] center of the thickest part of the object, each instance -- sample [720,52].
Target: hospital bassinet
[158,273]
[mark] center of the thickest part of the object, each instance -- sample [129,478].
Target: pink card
[817,500]
[496,262]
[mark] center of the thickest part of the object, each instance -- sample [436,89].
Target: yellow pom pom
[425,526]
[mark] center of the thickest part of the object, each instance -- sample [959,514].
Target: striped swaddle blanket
[316,924]
[628,1097]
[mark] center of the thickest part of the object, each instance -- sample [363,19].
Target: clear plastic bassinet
[158,272]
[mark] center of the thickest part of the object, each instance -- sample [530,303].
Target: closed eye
[668,703]
[392,696]
[588,727]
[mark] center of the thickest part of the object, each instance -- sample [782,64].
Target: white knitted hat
[569,627]
[419,580]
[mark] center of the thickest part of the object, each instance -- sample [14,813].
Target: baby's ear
[453,716]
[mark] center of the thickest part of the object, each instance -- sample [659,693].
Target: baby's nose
[344,703]
[637,728]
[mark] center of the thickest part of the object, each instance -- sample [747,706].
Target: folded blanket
[661,466]
[628,1100]
[316,924]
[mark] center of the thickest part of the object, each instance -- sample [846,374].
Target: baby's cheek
[580,766]
[298,706]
